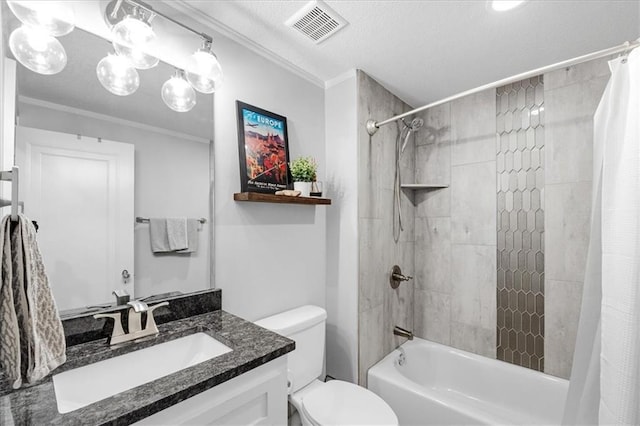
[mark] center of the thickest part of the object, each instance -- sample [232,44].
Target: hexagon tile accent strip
[520,186]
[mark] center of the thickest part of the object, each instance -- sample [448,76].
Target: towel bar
[146,220]
[12,176]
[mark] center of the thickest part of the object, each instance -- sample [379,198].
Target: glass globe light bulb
[37,50]
[131,38]
[505,5]
[204,71]
[178,94]
[118,75]
[55,18]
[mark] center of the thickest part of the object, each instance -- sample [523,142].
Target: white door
[80,191]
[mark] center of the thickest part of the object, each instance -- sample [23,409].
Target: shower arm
[626,47]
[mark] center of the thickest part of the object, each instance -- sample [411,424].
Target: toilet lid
[342,403]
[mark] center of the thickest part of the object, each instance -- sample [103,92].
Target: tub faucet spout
[399,331]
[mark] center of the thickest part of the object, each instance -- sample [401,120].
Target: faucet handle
[151,321]
[152,308]
[117,324]
[138,306]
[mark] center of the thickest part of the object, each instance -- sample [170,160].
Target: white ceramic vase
[303,187]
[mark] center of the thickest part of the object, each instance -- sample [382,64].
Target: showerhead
[414,126]
[416,123]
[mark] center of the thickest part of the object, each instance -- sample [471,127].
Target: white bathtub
[440,385]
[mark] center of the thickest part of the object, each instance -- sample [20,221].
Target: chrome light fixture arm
[118,9]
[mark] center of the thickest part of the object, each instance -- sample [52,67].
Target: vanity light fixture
[178,94]
[118,75]
[54,18]
[34,44]
[132,37]
[37,50]
[203,70]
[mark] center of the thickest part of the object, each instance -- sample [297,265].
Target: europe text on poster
[265,151]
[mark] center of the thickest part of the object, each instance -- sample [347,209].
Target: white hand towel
[177,233]
[192,236]
[158,235]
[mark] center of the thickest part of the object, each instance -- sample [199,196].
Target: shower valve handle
[402,277]
[396,277]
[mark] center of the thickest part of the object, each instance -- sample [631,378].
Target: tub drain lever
[396,277]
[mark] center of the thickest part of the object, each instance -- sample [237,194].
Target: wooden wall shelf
[279,199]
[427,186]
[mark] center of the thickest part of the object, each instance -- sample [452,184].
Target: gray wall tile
[371,347]
[433,254]
[473,339]
[473,128]
[431,203]
[380,307]
[569,130]
[473,203]
[433,164]
[572,97]
[575,101]
[473,285]
[433,316]
[371,257]
[567,230]
[578,73]
[562,314]
[437,123]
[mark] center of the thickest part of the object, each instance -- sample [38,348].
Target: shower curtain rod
[373,126]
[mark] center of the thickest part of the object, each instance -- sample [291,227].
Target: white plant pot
[303,187]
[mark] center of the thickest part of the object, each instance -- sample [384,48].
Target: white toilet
[332,403]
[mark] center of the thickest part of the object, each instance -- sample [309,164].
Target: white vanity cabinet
[257,397]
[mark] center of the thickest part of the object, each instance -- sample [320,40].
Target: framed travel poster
[263,148]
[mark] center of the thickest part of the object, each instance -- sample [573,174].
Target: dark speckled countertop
[252,347]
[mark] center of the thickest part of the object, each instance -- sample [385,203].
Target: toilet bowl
[341,403]
[335,402]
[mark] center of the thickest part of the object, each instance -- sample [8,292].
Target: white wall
[268,257]
[342,229]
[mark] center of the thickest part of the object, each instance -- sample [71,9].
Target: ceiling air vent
[317,21]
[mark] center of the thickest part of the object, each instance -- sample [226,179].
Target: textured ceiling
[426,50]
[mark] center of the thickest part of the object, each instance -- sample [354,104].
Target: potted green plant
[303,172]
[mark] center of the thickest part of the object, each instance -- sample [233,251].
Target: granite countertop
[252,347]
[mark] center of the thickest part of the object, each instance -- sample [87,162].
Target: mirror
[91,162]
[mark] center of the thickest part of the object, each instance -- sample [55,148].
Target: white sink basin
[82,386]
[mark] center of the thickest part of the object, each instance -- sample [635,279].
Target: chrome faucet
[399,331]
[135,330]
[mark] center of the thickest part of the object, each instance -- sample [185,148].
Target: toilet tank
[305,325]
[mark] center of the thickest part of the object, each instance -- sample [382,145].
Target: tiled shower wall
[520,211]
[571,98]
[455,248]
[455,228]
[380,307]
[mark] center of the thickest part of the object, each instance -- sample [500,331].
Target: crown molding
[340,78]
[198,16]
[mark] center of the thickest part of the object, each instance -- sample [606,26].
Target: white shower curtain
[605,379]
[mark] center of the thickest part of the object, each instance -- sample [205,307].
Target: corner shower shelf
[426,186]
[279,199]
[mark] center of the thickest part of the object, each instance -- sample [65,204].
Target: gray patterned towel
[41,345]
[9,330]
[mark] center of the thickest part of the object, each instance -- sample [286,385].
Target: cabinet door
[258,397]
